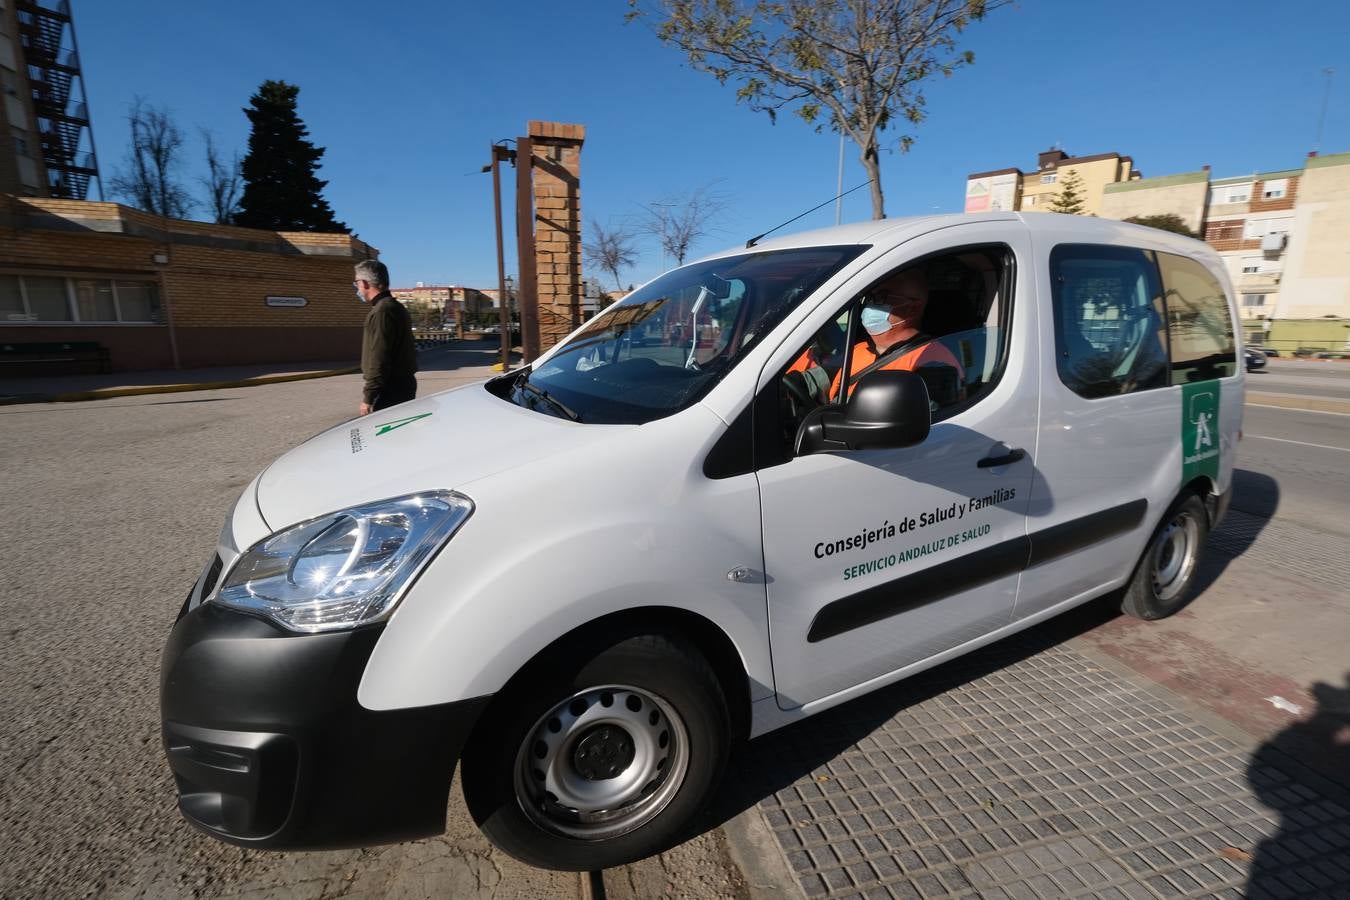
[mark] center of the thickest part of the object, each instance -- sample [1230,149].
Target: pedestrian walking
[388,357]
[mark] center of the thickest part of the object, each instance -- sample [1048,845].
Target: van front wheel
[599,761]
[1165,576]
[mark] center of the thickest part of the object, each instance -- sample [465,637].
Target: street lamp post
[501,154]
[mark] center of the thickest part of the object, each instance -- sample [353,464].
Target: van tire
[648,706]
[1165,576]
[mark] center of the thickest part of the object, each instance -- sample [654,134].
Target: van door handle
[1011,456]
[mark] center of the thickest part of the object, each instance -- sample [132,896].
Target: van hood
[445,441]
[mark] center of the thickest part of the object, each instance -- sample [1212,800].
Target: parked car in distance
[1256,358]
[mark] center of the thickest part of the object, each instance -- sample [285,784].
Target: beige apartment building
[1282,236]
[431,305]
[1013,189]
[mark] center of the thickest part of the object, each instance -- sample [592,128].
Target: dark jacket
[388,357]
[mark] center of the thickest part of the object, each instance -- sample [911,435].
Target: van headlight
[344,569]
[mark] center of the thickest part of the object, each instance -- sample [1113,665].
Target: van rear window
[1198,321]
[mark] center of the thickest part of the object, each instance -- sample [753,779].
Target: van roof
[896,231]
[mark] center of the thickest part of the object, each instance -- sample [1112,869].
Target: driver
[892,315]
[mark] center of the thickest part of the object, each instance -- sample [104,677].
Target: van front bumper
[270,748]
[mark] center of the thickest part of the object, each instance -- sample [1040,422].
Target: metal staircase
[47,38]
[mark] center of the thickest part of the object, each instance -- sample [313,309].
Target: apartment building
[1282,237]
[1013,189]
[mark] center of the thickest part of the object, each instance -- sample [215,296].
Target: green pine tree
[282,191]
[1070,197]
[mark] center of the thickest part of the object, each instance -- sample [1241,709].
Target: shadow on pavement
[777,760]
[1255,493]
[1310,854]
[774,762]
[467,354]
[176,402]
[1256,497]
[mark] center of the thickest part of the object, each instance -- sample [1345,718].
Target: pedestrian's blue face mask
[876,319]
[359,296]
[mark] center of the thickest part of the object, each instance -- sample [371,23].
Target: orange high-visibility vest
[930,353]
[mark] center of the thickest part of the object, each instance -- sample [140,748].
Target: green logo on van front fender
[1199,430]
[397,423]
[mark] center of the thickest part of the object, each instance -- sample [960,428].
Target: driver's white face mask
[876,319]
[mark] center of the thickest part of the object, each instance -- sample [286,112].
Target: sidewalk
[464,358]
[1093,755]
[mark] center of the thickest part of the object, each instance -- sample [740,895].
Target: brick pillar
[556,167]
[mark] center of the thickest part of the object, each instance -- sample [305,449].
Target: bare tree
[150,179]
[223,181]
[677,222]
[853,66]
[612,249]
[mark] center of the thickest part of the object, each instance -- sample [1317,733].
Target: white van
[683,527]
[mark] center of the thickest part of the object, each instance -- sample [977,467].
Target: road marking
[1300,443]
[1316,412]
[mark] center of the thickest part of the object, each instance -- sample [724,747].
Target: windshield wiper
[523,383]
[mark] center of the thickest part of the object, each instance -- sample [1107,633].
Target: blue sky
[408,96]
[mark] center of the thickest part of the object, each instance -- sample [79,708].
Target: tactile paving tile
[1029,771]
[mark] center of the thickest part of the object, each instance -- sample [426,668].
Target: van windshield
[663,347]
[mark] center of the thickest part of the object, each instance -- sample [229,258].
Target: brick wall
[557,227]
[1258,204]
[1226,234]
[212,289]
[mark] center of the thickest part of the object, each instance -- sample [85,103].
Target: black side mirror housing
[886,410]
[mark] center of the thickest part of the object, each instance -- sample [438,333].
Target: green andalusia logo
[1199,430]
[397,423]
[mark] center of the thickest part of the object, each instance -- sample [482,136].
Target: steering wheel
[798,395]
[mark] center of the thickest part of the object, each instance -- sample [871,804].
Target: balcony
[46,7]
[1255,282]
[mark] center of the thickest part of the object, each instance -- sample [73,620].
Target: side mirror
[887,410]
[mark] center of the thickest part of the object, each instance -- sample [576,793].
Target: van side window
[1110,336]
[1198,321]
[945,318]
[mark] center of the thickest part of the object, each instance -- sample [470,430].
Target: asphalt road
[109,511]
[1323,378]
[1308,453]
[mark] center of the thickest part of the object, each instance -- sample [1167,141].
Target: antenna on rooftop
[1322,116]
[756,239]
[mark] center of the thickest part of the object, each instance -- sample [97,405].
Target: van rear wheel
[601,756]
[1165,577]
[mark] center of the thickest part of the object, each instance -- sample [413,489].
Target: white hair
[374,271]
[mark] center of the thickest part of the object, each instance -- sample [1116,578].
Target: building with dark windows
[47,148]
[154,293]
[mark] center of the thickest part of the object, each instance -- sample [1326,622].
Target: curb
[107,393]
[755,851]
